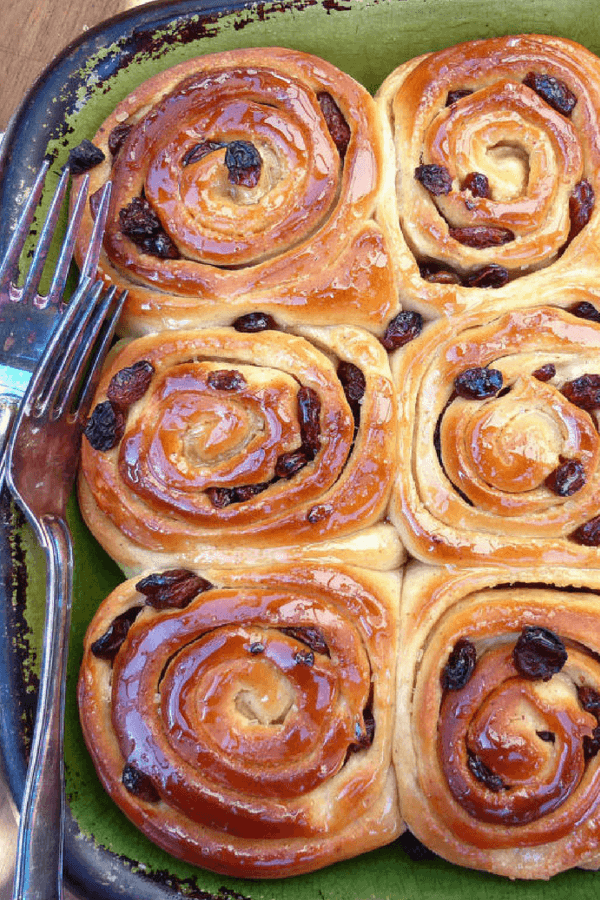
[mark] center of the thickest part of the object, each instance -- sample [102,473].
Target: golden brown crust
[285,764]
[476,483]
[301,244]
[500,773]
[167,490]
[534,156]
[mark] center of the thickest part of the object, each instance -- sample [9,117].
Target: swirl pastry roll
[244,723]
[217,446]
[241,180]
[496,171]
[498,434]
[498,728]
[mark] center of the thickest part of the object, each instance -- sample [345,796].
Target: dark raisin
[139,784]
[253,322]
[364,733]
[310,635]
[318,513]
[131,383]
[547,736]
[257,647]
[581,206]
[588,534]
[481,236]
[545,373]
[336,123]
[567,478]
[539,653]
[226,380]
[591,745]
[84,157]
[309,413]
[199,151]
[460,666]
[589,699]
[244,163]
[583,391]
[436,179]
[478,383]
[245,492]
[140,223]
[354,384]
[492,276]
[414,849]
[94,202]
[478,184]
[118,136]
[484,774]
[585,310]
[105,427]
[404,327]
[304,658]
[175,588]
[288,464]
[554,91]
[107,646]
[220,497]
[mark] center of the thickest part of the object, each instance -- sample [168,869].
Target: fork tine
[44,241]
[90,263]
[13,254]
[63,263]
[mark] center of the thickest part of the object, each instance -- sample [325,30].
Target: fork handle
[38,872]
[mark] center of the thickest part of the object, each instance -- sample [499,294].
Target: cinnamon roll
[498,437]
[495,177]
[498,728]
[245,180]
[243,720]
[223,445]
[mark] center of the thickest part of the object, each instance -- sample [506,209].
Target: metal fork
[42,457]
[26,317]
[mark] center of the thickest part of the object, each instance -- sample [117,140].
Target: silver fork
[26,317]
[41,462]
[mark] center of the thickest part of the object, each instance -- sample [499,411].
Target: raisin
[585,310]
[310,635]
[319,512]
[105,427]
[545,373]
[253,322]
[481,236]
[175,588]
[414,849]
[588,534]
[139,784]
[583,391]
[304,658]
[567,478]
[336,123]
[244,163]
[589,699]
[581,206]
[365,733]
[478,184]
[436,179]
[491,276]
[246,491]
[257,647]
[131,383]
[309,411]
[460,666]
[288,464]
[539,653]
[84,157]
[403,328]
[199,151]
[354,384]
[591,745]
[220,497]
[478,383]
[484,774]
[226,380]
[140,224]
[118,136]
[547,736]
[554,91]
[107,646]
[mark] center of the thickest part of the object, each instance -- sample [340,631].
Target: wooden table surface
[35,31]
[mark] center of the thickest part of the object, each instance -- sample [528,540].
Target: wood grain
[34,31]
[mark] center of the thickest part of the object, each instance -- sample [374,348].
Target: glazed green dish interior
[367,39]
